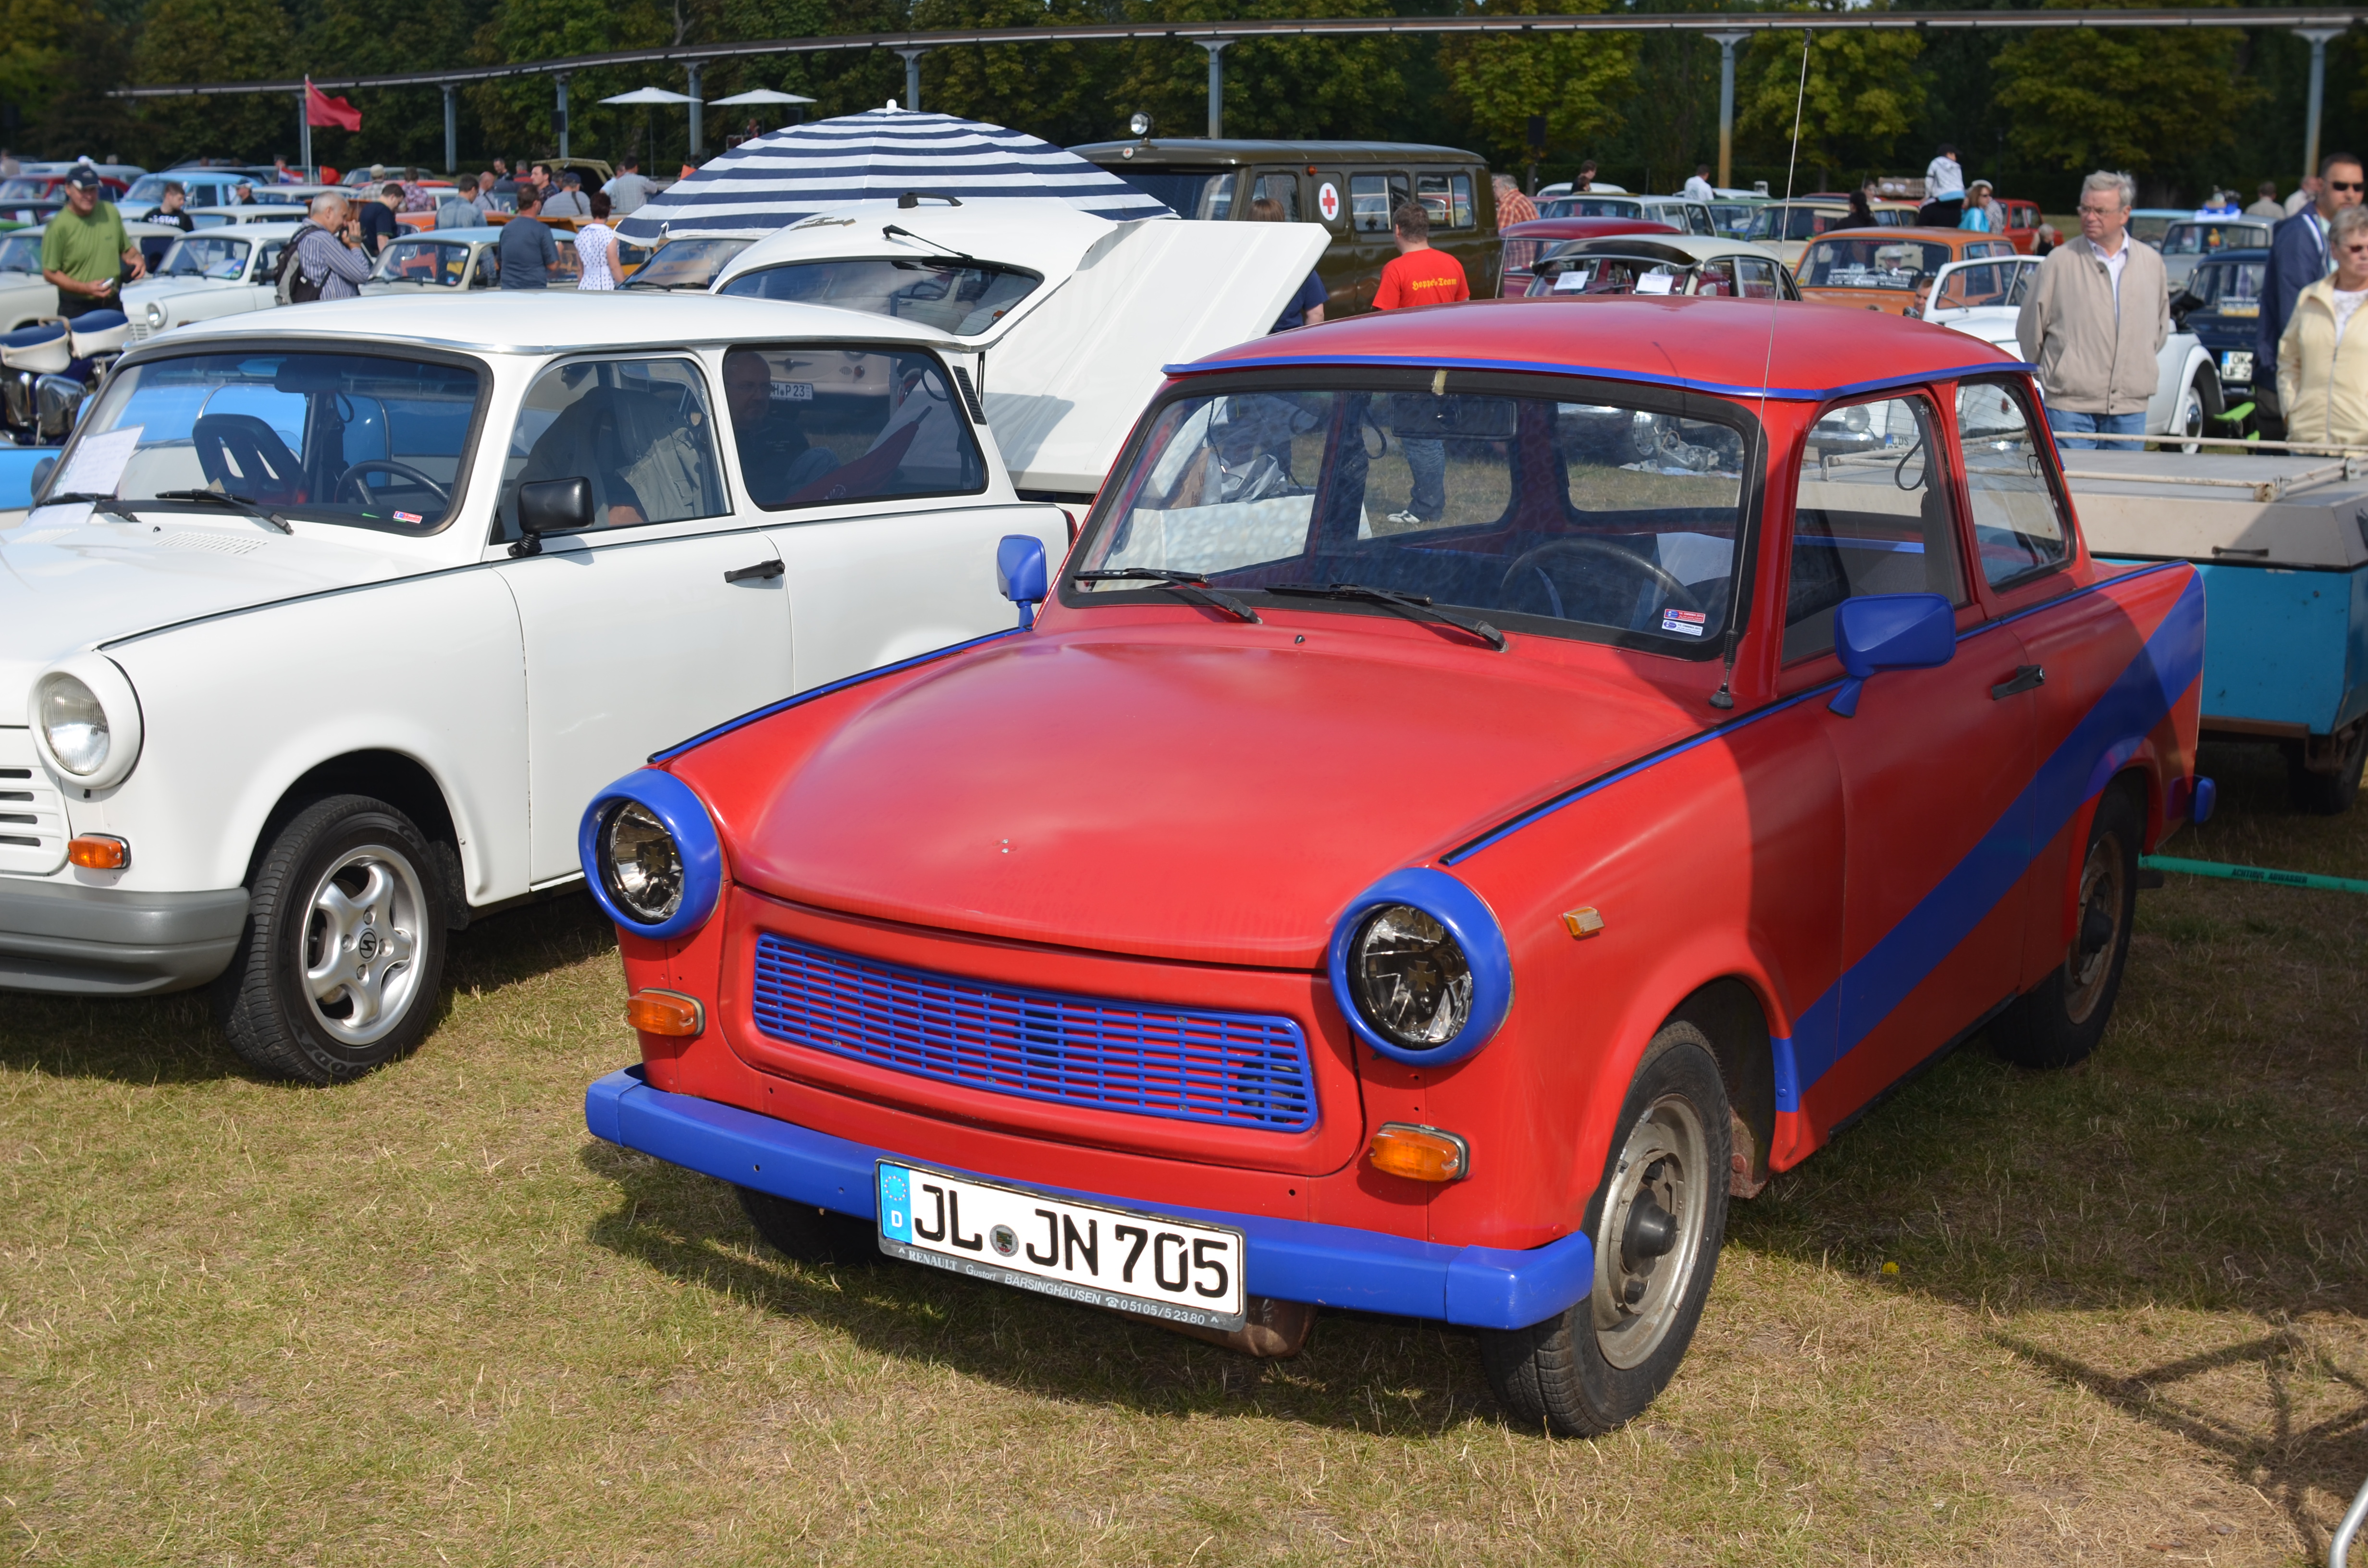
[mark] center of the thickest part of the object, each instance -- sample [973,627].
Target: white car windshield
[23,189]
[20,253]
[1610,520]
[441,262]
[1591,207]
[684,264]
[329,435]
[961,298]
[1872,264]
[2203,238]
[216,257]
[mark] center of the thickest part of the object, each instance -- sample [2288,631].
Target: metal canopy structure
[2316,24]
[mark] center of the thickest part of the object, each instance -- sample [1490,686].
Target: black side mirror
[551,506]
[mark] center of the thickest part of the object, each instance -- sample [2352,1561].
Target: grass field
[425,1319]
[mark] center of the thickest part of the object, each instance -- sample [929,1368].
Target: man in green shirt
[84,250]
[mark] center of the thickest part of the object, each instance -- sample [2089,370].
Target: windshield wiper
[1189,583]
[1416,602]
[254,509]
[113,506]
[898,231]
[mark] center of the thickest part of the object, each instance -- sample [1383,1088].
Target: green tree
[1862,93]
[217,40]
[2074,97]
[1294,88]
[1057,91]
[376,38]
[57,60]
[1579,81]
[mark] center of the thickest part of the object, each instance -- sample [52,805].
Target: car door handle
[2026,677]
[763,569]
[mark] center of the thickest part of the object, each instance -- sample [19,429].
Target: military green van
[1350,187]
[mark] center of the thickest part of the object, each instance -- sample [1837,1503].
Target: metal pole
[697,147]
[1726,42]
[452,135]
[2317,37]
[559,114]
[304,129]
[912,79]
[1216,49]
[2339,1547]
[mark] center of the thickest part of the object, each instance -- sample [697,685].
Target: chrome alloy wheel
[362,934]
[1652,1230]
[2089,964]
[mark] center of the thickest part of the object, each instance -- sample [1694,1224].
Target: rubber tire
[1553,1374]
[260,999]
[2038,1032]
[803,1233]
[2327,794]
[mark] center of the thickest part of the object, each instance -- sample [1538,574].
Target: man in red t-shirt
[1421,275]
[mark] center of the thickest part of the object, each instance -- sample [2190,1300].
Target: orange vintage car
[1888,270]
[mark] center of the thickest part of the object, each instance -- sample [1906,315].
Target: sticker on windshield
[1684,623]
[792,391]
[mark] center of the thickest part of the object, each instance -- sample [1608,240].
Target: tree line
[2184,110]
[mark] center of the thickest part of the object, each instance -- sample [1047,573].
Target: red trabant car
[1488,786]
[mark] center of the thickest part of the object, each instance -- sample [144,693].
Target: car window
[210,256]
[2234,288]
[1373,198]
[441,262]
[1759,279]
[1984,283]
[1591,207]
[1873,515]
[2019,527]
[821,426]
[686,264]
[639,429]
[1281,189]
[1589,274]
[963,298]
[1446,200]
[1872,262]
[1716,279]
[20,253]
[1194,193]
[1611,521]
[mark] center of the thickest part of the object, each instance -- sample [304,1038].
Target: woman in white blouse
[595,247]
[2322,385]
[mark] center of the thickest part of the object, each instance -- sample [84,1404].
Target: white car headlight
[156,313]
[86,719]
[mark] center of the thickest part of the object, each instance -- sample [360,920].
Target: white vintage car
[332,620]
[1983,297]
[209,274]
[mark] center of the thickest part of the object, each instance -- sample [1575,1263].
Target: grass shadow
[172,1039]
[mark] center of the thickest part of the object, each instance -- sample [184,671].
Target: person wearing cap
[84,250]
[243,194]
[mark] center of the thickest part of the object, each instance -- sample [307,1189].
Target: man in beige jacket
[2096,318]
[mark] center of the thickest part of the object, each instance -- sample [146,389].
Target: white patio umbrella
[761,95]
[646,97]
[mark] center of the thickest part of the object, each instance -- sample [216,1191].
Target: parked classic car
[26,296]
[687,264]
[1887,269]
[1984,299]
[2221,305]
[1742,721]
[212,273]
[202,187]
[1787,227]
[447,258]
[2150,223]
[2185,244]
[1647,264]
[1524,241]
[1686,217]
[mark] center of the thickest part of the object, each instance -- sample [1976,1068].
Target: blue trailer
[2280,541]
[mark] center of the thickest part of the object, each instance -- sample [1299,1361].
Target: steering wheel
[1592,550]
[353,476]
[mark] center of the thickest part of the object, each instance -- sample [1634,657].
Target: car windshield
[441,262]
[2149,227]
[1565,273]
[148,187]
[1600,513]
[1872,264]
[2234,288]
[1191,193]
[2203,238]
[686,264]
[1733,218]
[1795,222]
[20,253]
[961,298]
[23,189]
[328,436]
[210,256]
[1591,207]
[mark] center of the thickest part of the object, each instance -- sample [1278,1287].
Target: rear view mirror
[1890,631]
[551,506]
[41,472]
[1020,574]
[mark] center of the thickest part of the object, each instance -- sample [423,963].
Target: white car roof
[1700,247]
[277,229]
[1046,236]
[523,321]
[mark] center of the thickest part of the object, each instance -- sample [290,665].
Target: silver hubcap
[361,943]
[2090,961]
[1652,1231]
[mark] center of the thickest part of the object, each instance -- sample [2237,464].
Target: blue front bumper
[1291,1260]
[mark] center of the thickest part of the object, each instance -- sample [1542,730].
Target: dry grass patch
[425,1318]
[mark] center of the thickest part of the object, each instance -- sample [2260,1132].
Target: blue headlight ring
[673,803]
[1475,929]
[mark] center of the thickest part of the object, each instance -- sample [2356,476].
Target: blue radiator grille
[1233,1069]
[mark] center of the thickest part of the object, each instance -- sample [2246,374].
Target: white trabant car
[1983,298]
[27,297]
[209,274]
[332,620]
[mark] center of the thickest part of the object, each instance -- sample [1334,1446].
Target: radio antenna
[1723,698]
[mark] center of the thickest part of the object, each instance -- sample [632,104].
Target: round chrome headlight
[74,723]
[1412,981]
[156,313]
[641,864]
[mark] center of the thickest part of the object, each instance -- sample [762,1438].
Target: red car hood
[1128,793]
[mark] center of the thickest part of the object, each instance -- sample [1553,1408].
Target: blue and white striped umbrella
[880,155]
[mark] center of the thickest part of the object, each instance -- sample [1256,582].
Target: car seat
[241,455]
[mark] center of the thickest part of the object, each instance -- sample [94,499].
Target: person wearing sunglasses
[2322,384]
[2299,257]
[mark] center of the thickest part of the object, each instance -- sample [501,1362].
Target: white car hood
[167,288]
[65,585]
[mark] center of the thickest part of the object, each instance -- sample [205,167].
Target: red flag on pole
[322,109]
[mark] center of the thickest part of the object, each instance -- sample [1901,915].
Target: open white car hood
[1066,373]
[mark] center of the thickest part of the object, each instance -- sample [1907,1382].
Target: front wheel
[2059,1022]
[1659,1217]
[339,969]
[2330,793]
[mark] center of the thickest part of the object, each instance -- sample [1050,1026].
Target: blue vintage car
[2222,306]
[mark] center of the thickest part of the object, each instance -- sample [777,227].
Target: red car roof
[1735,347]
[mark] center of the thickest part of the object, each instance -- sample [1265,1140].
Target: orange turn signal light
[665,1013]
[98,852]
[1419,1153]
